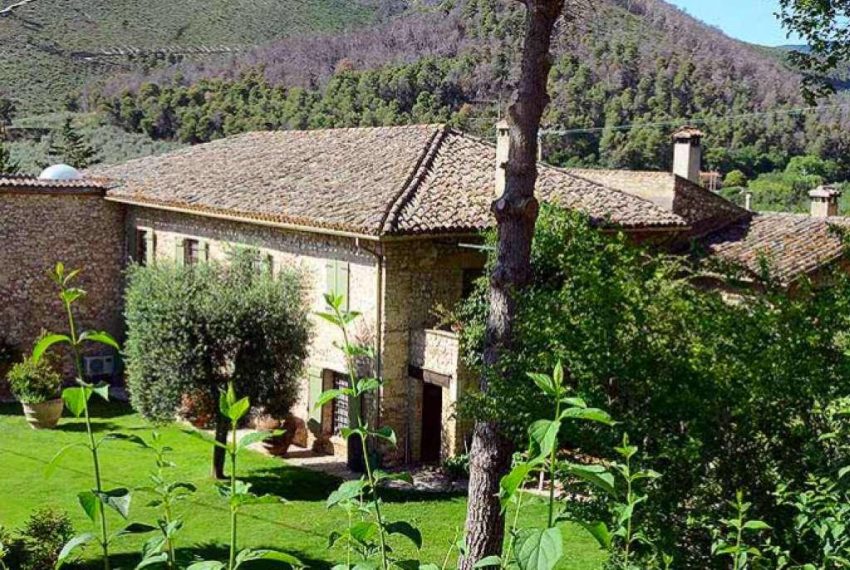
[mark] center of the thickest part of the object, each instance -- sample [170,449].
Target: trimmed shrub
[35,382]
[43,537]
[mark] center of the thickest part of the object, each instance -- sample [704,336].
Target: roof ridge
[414,181]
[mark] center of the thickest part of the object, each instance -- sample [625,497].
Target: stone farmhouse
[387,217]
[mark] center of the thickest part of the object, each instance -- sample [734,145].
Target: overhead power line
[686,121]
[694,121]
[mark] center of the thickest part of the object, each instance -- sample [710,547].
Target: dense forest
[640,62]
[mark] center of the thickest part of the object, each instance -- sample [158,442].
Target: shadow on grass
[209,551]
[292,483]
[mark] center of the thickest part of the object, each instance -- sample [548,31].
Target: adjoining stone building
[384,216]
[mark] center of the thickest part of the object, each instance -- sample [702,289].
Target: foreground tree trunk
[516,213]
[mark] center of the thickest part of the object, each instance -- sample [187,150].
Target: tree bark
[516,214]
[221,431]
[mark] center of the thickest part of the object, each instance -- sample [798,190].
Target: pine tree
[7,165]
[72,148]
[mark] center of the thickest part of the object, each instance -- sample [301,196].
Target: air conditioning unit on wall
[99,366]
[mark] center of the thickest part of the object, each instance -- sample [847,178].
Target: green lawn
[300,526]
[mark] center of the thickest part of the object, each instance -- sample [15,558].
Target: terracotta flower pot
[44,415]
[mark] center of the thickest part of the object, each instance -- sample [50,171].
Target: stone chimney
[824,201]
[687,153]
[503,145]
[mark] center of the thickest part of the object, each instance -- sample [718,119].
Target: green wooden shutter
[204,250]
[179,252]
[342,282]
[150,249]
[269,264]
[330,277]
[314,377]
[133,245]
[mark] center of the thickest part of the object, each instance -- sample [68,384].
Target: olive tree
[197,328]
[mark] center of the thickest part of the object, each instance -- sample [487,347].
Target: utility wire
[684,121]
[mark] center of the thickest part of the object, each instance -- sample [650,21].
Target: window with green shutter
[337,280]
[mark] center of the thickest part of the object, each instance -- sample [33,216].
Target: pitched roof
[704,210]
[789,245]
[373,181]
[25,183]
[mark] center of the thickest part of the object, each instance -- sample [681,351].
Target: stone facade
[402,280]
[40,227]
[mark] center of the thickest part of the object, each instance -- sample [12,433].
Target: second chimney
[825,201]
[687,153]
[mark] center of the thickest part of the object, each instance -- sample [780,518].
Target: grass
[300,526]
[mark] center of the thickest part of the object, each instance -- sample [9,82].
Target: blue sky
[748,20]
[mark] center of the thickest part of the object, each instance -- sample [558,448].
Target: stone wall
[39,227]
[416,274]
[419,274]
[306,252]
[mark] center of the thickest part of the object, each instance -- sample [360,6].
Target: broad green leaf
[367,385]
[599,531]
[347,491]
[539,549]
[326,397]
[75,399]
[587,414]
[54,463]
[543,435]
[558,377]
[153,560]
[544,382]
[248,555]
[206,565]
[407,530]
[429,566]
[595,475]
[102,390]
[234,410]
[331,318]
[70,546]
[70,295]
[574,402]
[45,343]
[118,500]
[91,504]
[513,481]
[257,437]
[488,561]
[363,531]
[386,433]
[756,525]
[100,337]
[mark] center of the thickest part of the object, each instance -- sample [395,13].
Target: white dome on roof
[60,172]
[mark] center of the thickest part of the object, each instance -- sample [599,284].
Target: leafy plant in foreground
[41,539]
[96,501]
[238,493]
[732,540]
[541,548]
[161,549]
[361,499]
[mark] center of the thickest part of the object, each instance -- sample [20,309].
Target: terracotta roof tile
[23,182]
[790,245]
[375,181]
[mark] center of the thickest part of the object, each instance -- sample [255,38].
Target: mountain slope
[38,63]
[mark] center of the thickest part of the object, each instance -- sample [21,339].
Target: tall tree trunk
[221,430]
[516,213]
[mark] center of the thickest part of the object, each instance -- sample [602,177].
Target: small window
[141,254]
[191,252]
[340,413]
[470,278]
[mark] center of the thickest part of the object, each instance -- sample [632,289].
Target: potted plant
[38,387]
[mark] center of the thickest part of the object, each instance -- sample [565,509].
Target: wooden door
[432,423]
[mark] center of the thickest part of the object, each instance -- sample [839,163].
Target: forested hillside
[637,62]
[49,48]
